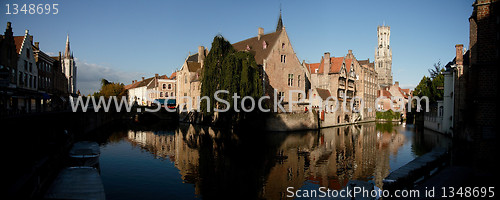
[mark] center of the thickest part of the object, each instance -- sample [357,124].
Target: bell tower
[383,56]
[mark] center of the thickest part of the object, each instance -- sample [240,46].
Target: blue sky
[125,40]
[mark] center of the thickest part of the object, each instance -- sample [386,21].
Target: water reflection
[262,165]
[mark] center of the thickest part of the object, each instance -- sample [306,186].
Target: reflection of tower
[383,56]
[69,68]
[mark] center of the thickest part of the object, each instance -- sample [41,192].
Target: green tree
[227,69]
[212,71]
[109,89]
[433,86]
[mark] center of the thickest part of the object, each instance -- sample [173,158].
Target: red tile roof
[384,93]
[312,67]
[173,75]
[19,42]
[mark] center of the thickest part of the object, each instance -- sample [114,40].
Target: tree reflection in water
[221,163]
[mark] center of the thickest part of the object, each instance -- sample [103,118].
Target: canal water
[189,161]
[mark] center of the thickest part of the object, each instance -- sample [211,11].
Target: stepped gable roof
[256,46]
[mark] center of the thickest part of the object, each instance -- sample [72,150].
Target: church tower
[69,68]
[383,56]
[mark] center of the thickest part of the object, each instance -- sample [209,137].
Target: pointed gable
[337,64]
[19,40]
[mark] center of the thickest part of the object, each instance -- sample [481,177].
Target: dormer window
[264,45]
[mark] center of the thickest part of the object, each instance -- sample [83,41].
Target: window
[283,58]
[299,96]
[161,94]
[21,82]
[282,45]
[31,67]
[290,79]
[25,65]
[164,86]
[281,95]
[169,86]
[298,81]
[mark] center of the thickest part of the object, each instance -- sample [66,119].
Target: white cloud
[89,76]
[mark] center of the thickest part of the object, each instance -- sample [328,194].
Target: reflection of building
[216,161]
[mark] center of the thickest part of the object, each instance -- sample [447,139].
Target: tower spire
[67,52]
[280,22]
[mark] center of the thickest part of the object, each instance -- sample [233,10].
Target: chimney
[326,63]
[261,32]
[396,83]
[201,54]
[143,78]
[37,45]
[156,75]
[459,59]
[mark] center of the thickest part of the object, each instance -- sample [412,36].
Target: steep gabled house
[188,84]
[280,68]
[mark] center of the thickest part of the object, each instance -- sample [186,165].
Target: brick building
[281,69]
[345,76]
[8,71]
[480,76]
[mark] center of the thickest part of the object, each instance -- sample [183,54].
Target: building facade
[188,83]
[282,72]
[383,56]
[27,82]
[8,72]
[348,81]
